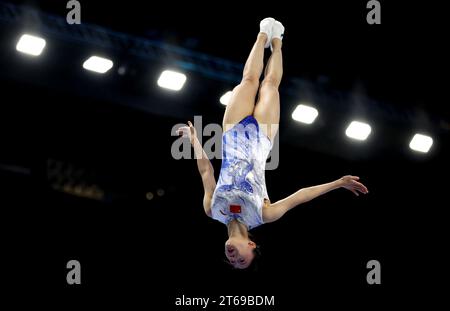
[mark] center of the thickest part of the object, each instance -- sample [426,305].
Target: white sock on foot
[266,26]
[277,31]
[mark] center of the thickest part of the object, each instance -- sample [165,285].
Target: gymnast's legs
[267,110]
[243,98]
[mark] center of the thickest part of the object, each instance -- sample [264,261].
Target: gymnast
[239,199]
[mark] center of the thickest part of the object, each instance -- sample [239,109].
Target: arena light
[225,98]
[421,143]
[172,80]
[30,45]
[358,130]
[305,114]
[98,64]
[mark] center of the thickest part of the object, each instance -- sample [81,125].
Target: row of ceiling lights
[174,81]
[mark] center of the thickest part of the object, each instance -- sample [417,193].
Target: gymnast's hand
[189,132]
[350,183]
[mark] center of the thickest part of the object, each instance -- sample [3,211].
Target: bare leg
[242,102]
[267,110]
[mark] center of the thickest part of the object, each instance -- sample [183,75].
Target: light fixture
[30,45]
[421,143]
[225,98]
[305,114]
[98,64]
[171,80]
[358,130]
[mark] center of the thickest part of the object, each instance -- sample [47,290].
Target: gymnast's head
[241,252]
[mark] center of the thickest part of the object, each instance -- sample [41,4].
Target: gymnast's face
[239,252]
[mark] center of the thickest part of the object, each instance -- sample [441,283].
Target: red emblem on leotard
[235,209]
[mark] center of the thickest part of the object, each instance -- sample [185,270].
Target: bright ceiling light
[225,98]
[98,64]
[30,45]
[421,143]
[305,114]
[172,80]
[358,130]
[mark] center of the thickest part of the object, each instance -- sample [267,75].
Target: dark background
[62,128]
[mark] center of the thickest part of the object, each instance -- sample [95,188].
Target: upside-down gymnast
[239,199]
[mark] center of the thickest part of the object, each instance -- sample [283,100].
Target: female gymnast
[240,199]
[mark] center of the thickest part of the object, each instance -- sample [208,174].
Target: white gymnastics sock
[266,26]
[277,31]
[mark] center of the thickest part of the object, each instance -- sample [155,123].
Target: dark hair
[256,256]
[254,265]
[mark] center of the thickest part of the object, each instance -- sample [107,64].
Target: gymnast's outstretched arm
[276,210]
[204,166]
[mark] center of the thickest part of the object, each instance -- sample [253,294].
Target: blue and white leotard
[241,183]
